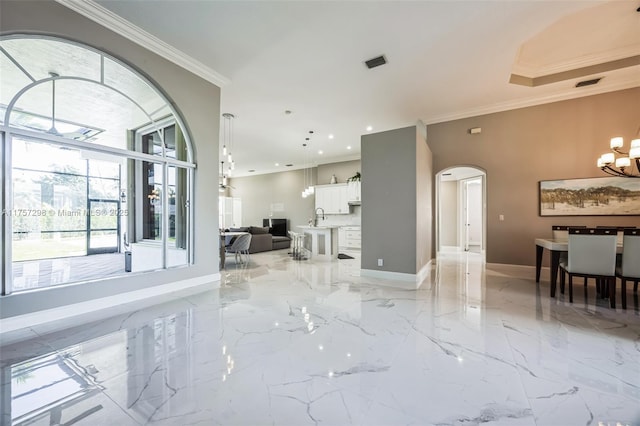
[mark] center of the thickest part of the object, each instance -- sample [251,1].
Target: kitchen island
[321,241]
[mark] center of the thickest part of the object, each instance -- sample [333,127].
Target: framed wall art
[603,196]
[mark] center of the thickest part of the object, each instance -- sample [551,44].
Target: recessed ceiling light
[320,152]
[330,135]
[277,164]
[349,147]
[369,128]
[287,111]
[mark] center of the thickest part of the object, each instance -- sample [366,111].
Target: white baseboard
[20,322]
[400,279]
[424,273]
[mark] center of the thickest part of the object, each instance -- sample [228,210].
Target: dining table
[223,252]
[555,246]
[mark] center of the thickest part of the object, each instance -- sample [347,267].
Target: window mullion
[7,204]
[165,214]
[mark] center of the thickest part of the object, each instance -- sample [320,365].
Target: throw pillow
[259,230]
[241,229]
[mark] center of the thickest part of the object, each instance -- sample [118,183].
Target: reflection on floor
[296,343]
[48,272]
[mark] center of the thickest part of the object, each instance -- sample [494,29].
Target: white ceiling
[446,60]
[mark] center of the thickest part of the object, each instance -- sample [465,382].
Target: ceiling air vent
[376,62]
[588,82]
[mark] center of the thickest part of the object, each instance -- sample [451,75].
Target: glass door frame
[6,192]
[6,286]
[111,212]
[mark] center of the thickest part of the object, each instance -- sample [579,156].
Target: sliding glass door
[103,227]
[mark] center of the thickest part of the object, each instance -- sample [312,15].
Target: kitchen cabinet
[333,199]
[349,237]
[353,192]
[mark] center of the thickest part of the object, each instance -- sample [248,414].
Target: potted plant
[354,178]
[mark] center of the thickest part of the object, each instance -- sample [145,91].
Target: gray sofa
[262,240]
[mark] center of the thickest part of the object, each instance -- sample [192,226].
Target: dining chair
[240,246]
[629,268]
[619,229]
[561,232]
[592,254]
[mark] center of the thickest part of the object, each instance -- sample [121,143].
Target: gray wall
[449,213]
[519,148]
[389,201]
[259,193]
[196,99]
[424,201]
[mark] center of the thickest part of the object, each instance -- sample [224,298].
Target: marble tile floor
[303,343]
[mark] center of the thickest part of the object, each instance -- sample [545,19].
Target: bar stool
[298,250]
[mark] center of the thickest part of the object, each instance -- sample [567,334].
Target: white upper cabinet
[333,199]
[353,192]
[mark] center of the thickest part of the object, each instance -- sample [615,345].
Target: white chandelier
[622,163]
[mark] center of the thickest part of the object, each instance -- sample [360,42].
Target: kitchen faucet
[315,221]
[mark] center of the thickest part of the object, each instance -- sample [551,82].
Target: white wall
[449,213]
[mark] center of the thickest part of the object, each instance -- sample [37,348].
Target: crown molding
[523,103]
[117,24]
[280,169]
[533,71]
[593,70]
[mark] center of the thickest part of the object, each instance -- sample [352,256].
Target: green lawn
[43,249]
[62,247]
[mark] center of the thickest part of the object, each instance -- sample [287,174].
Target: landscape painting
[590,197]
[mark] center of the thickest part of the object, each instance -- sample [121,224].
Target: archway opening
[461,210]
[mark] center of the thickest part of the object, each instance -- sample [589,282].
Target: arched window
[97,167]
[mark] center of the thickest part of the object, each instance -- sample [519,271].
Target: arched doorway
[461,210]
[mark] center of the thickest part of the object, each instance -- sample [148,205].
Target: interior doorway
[471,223]
[461,210]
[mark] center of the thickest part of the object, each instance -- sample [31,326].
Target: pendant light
[307,178]
[227,139]
[310,187]
[304,172]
